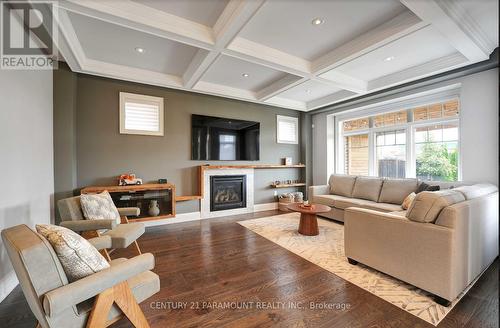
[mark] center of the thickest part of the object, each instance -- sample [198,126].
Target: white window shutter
[141,114]
[287,129]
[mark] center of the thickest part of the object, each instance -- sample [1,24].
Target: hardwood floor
[218,260]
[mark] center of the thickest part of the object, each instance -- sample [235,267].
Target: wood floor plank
[204,264]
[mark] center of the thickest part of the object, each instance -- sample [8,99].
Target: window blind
[142,117]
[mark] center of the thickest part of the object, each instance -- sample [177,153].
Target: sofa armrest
[318,190]
[129,211]
[421,254]
[102,242]
[59,299]
[88,225]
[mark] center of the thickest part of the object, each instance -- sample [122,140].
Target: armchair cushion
[99,207]
[89,225]
[61,298]
[78,257]
[125,234]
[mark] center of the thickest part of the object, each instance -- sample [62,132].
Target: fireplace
[227,192]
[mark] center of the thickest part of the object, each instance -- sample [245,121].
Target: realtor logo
[28,35]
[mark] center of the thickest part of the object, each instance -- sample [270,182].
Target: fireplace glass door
[227,192]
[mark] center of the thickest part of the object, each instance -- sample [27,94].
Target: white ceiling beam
[399,26]
[234,17]
[455,24]
[432,67]
[67,42]
[198,66]
[330,99]
[145,19]
[288,103]
[343,81]
[267,56]
[277,87]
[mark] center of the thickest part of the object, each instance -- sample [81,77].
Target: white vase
[154,209]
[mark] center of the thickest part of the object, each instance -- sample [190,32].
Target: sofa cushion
[78,257]
[423,186]
[477,190]
[323,199]
[367,188]
[427,205]
[344,202]
[341,184]
[394,191]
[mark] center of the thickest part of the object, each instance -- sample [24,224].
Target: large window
[436,151]
[356,157]
[422,142]
[391,154]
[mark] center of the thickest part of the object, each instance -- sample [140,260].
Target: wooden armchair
[97,300]
[122,235]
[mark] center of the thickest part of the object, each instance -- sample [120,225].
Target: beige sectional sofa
[441,244]
[343,191]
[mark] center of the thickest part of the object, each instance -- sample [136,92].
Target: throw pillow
[99,207]
[408,200]
[78,257]
[427,205]
[426,187]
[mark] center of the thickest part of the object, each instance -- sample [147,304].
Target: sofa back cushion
[341,184]
[428,204]
[477,190]
[394,191]
[367,188]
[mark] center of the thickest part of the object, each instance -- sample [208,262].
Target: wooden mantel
[202,168]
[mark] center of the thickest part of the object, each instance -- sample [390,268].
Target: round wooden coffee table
[308,220]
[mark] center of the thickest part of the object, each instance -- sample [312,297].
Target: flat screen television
[224,139]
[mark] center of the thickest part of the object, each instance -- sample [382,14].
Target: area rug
[327,251]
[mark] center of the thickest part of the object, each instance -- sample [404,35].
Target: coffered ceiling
[298,54]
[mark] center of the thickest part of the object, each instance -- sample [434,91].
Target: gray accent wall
[102,153]
[26,160]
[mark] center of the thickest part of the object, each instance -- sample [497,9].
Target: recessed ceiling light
[317,21]
[308,91]
[139,50]
[245,75]
[389,58]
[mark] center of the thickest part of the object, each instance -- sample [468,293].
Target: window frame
[295,121]
[449,93]
[144,99]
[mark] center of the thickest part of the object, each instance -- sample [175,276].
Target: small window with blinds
[287,129]
[140,114]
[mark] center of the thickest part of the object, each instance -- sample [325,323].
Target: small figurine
[129,179]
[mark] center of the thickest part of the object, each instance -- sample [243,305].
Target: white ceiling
[205,46]
[205,12]
[286,24]
[229,71]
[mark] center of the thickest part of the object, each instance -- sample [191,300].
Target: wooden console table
[141,196]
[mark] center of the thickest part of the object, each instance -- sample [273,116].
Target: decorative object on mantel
[128,179]
[162,180]
[287,161]
[289,198]
[141,196]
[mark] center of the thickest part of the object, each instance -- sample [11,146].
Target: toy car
[129,179]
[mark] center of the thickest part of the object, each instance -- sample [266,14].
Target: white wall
[478,128]
[26,156]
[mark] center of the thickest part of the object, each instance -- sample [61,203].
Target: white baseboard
[7,284]
[194,216]
[183,217]
[265,207]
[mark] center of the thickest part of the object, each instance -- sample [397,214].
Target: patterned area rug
[327,251]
